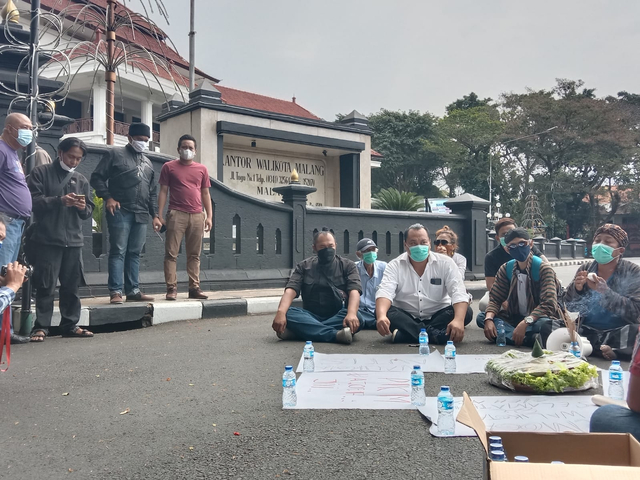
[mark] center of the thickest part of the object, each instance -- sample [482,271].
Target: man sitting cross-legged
[330,288]
[422,289]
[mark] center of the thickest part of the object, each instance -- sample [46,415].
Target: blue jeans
[615,419]
[126,239]
[11,247]
[308,326]
[542,325]
[368,318]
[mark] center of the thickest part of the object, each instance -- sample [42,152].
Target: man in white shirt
[422,289]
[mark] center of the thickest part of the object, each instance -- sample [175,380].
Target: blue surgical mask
[419,253]
[602,253]
[25,136]
[369,257]
[502,242]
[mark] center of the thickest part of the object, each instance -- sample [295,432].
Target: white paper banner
[472,363]
[339,362]
[361,390]
[536,413]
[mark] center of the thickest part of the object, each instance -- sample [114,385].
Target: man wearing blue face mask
[371,271]
[606,293]
[530,289]
[15,199]
[422,289]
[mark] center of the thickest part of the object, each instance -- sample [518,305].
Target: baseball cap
[364,244]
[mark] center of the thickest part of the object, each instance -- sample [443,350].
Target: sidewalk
[98,311]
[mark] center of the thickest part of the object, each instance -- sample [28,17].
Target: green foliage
[393,199]
[97,214]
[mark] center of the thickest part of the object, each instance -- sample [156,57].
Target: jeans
[11,247]
[308,326]
[541,326]
[368,318]
[615,419]
[126,239]
[409,326]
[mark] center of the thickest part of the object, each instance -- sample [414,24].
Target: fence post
[572,242]
[295,195]
[580,246]
[474,233]
[557,243]
[539,242]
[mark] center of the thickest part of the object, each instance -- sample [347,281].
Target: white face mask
[140,145]
[186,154]
[66,167]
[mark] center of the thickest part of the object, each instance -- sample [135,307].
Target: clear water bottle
[424,342]
[418,397]
[446,420]
[307,353]
[498,456]
[289,396]
[496,441]
[521,459]
[450,358]
[501,339]
[616,389]
[574,349]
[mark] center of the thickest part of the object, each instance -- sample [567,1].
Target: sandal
[38,336]
[78,332]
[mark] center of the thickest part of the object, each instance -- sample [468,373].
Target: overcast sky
[340,55]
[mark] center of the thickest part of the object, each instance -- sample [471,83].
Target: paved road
[180,379]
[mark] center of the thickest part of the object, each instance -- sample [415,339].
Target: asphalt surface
[187,388]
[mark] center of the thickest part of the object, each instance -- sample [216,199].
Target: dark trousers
[409,326]
[53,263]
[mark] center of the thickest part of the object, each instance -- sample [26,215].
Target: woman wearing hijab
[606,293]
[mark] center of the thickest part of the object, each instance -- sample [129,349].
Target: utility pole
[192,47]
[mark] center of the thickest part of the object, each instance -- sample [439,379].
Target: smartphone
[79,196]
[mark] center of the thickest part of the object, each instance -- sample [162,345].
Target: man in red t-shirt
[189,184]
[613,418]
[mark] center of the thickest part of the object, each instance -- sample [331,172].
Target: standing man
[188,183]
[330,288]
[15,199]
[125,179]
[371,271]
[61,202]
[422,289]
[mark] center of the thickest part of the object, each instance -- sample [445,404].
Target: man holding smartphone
[60,203]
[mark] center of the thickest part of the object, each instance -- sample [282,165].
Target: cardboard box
[586,456]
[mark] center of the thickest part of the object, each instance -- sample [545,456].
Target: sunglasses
[513,246]
[437,243]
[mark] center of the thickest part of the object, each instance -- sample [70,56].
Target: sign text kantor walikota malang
[256,174]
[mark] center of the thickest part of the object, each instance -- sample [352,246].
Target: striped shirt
[6,297]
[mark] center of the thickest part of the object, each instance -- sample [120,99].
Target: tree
[467,102]
[393,199]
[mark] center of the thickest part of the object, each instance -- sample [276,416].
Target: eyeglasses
[437,243]
[513,246]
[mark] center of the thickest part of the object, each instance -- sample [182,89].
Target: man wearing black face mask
[330,289]
[530,288]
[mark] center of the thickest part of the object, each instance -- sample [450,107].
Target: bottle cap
[288,368]
[497,454]
[416,367]
[308,342]
[423,330]
[615,362]
[521,458]
[449,342]
[557,461]
[495,439]
[444,388]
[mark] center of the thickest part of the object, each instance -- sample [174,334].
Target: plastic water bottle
[424,342]
[496,441]
[616,389]
[307,353]
[289,396]
[574,349]
[498,456]
[446,421]
[501,339]
[450,358]
[418,397]
[521,459]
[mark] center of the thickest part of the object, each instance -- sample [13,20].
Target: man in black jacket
[60,203]
[125,179]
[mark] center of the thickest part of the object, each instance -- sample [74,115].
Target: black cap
[364,244]
[516,233]
[136,129]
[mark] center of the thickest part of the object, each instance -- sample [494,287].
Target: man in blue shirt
[371,271]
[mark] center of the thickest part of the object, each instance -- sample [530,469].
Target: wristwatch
[529,320]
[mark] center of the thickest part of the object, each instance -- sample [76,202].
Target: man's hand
[505,306]
[490,329]
[455,330]
[518,333]
[279,322]
[69,200]
[112,205]
[208,224]
[15,276]
[351,321]
[81,203]
[580,280]
[382,325]
[157,223]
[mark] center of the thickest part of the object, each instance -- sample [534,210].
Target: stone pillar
[146,113]
[295,195]
[580,246]
[350,180]
[539,242]
[100,107]
[474,234]
[572,242]
[557,243]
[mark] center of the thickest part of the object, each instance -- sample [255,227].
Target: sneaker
[197,293]
[393,336]
[172,293]
[344,336]
[139,297]
[116,299]
[286,335]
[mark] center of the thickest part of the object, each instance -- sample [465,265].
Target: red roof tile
[376,154]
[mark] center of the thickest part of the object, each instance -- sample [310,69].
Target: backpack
[535,268]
